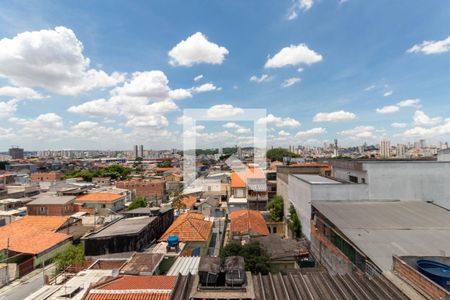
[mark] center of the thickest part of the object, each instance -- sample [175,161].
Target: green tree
[165,164]
[72,255]
[257,260]
[138,202]
[3,164]
[279,153]
[177,201]
[276,208]
[294,223]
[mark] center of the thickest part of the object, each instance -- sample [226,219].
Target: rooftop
[185,265]
[316,179]
[280,248]
[99,197]
[248,222]
[383,229]
[52,200]
[33,234]
[189,201]
[189,227]
[142,263]
[127,226]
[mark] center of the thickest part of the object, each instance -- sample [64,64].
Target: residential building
[248,189]
[149,189]
[16,152]
[45,176]
[401,151]
[217,184]
[102,181]
[12,203]
[191,229]
[385,149]
[52,205]
[102,203]
[143,264]
[245,224]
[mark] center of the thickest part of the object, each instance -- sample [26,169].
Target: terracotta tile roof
[166,169]
[189,227]
[128,288]
[189,201]
[33,234]
[99,197]
[238,180]
[248,222]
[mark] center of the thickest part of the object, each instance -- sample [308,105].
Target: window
[274,229]
[363,180]
[353,178]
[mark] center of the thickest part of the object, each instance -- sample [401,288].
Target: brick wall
[149,189]
[51,210]
[417,280]
[45,176]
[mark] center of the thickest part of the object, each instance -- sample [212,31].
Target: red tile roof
[239,179]
[33,234]
[189,201]
[189,227]
[248,222]
[99,197]
[134,287]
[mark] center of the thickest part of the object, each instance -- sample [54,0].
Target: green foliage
[177,200]
[72,255]
[138,202]
[276,208]
[257,260]
[3,164]
[279,153]
[113,171]
[165,164]
[294,222]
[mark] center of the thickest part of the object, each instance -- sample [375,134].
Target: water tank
[436,271]
[172,241]
[235,271]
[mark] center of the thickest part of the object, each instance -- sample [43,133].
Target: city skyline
[107,76]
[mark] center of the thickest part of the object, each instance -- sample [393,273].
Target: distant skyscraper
[136,151]
[336,149]
[385,149]
[141,151]
[401,151]
[422,144]
[16,153]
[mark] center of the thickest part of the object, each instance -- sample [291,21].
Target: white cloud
[303,5]
[421,119]
[440,130]
[334,116]
[206,87]
[399,125]
[300,70]
[8,108]
[293,55]
[183,119]
[19,93]
[238,128]
[410,103]
[223,110]
[278,121]
[149,84]
[52,59]
[387,109]
[283,133]
[197,49]
[431,47]
[290,81]
[263,77]
[179,94]
[388,93]
[370,87]
[311,132]
[197,78]
[359,132]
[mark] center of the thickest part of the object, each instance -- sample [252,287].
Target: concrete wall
[299,194]
[410,181]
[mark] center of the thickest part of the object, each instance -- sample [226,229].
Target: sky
[112,74]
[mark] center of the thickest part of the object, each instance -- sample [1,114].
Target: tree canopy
[279,153]
[294,222]
[276,208]
[138,202]
[165,164]
[74,254]
[113,171]
[257,260]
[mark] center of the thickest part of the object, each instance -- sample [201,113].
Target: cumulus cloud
[399,125]
[179,94]
[410,103]
[283,133]
[223,110]
[387,109]
[149,84]
[311,132]
[196,49]
[290,81]
[335,116]
[388,93]
[7,108]
[293,55]
[262,78]
[52,59]
[359,132]
[431,47]
[238,128]
[19,93]
[278,121]
[206,87]
[422,119]
[439,130]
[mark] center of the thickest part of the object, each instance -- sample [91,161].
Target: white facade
[385,149]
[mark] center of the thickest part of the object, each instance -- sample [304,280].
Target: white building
[401,151]
[385,148]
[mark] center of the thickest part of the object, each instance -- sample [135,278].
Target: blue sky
[354,70]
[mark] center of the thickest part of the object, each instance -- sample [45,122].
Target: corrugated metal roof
[185,265]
